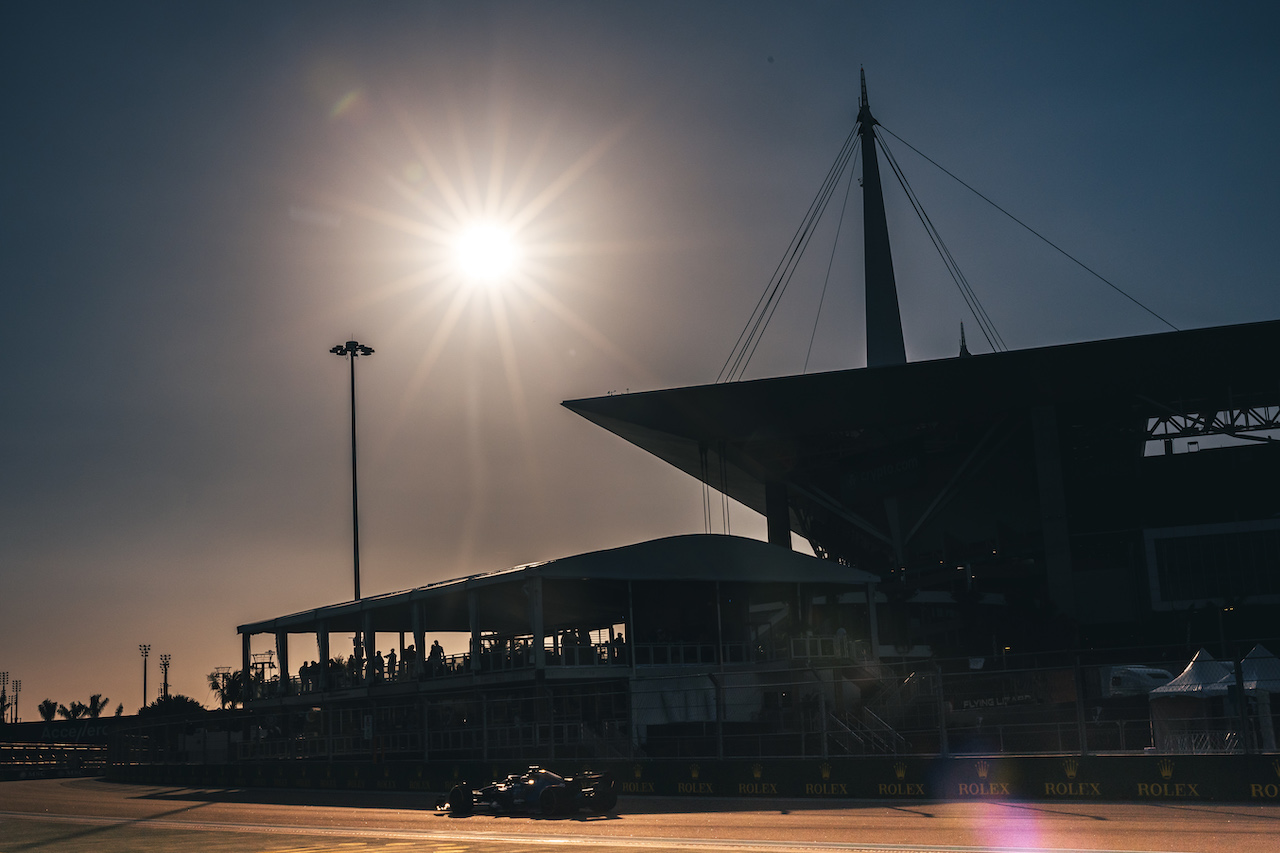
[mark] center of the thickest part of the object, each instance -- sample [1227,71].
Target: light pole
[145,650]
[353,350]
[223,673]
[164,667]
[17,688]
[4,694]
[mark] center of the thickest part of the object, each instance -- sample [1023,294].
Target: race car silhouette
[536,792]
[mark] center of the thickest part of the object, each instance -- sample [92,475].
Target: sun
[486,252]
[484,238]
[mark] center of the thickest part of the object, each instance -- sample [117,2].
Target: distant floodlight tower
[4,693]
[144,650]
[17,688]
[164,667]
[354,350]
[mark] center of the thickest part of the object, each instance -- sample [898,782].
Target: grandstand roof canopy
[773,429]
[697,557]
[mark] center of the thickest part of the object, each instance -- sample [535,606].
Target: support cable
[787,269]
[985,324]
[831,260]
[724,489]
[749,338]
[980,315]
[706,488]
[1045,239]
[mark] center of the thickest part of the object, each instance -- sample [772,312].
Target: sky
[201,199]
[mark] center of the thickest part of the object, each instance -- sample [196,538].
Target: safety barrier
[1182,778]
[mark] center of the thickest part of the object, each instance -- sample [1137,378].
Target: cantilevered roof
[698,557]
[773,429]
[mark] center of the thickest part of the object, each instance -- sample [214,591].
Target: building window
[1218,562]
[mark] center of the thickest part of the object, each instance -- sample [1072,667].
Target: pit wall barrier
[1180,778]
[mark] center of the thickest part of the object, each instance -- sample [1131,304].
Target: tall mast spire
[884,322]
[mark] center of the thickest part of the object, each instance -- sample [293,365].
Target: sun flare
[486,252]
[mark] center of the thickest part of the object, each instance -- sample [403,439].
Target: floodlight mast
[353,350]
[144,649]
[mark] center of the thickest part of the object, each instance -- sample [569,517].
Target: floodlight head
[364,350]
[338,350]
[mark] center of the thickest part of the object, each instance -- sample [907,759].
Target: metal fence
[814,697]
[45,759]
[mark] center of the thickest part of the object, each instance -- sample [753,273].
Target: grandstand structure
[1111,501]
[1115,492]
[716,644]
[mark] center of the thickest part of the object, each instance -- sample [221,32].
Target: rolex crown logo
[1275,765]
[756,770]
[1070,766]
[900,770]
[825,768]
[1166,768]
[638,770]
[693,771]
[982,768]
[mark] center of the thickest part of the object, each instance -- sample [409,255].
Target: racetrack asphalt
[93,815]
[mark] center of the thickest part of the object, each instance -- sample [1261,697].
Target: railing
[681,700]
[674,654]
[334,746]
[819,647]
[43,758]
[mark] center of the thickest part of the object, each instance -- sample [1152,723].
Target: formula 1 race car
[536,792]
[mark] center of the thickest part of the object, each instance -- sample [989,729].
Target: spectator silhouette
[435,660]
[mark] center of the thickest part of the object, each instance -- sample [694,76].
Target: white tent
[1181,718]
[1260,671]
[1203,677]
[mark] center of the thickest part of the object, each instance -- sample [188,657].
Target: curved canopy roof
[676,559]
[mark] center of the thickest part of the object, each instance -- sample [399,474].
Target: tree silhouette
[174,703]
[228,687]
[47,709]
[97,704]
[75,712]
[119,709]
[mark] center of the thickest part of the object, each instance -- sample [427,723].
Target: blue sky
[201,199]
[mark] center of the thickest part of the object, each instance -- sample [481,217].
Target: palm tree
[75,712]
[225,687]
[47,709]
[228,687]
[97,704]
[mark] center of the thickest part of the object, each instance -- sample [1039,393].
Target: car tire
[551,801]
[460,800]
